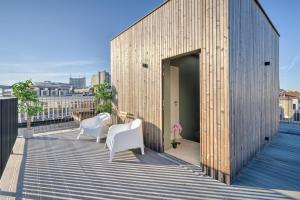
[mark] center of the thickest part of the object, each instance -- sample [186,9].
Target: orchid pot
[175,143]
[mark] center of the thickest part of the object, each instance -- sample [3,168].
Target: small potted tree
[103,97]
[177,128]
[28,103]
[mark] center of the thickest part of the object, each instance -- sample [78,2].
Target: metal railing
[62,112]
[293,118]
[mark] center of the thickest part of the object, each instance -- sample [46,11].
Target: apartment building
[100,77]
[48,88]
[289,103]
[78,83]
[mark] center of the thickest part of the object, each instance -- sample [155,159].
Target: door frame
[163,64]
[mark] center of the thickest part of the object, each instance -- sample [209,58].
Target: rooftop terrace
[54,165]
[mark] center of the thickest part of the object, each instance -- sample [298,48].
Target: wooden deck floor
[56,166]
[276,168]
[290,128]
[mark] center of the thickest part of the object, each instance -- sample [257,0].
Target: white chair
[95,126]
[122,137]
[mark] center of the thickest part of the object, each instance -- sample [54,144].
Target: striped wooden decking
[276,168]
[56,166]
[290,128]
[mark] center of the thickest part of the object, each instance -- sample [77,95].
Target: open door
[181,103]
[174,97]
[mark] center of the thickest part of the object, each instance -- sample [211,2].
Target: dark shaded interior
[189,95]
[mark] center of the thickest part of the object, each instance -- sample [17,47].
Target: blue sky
[285,15]
[51,39]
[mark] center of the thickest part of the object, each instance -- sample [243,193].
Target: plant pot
[28,133]
[174,145]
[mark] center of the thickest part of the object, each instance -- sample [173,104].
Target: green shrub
[103,97]
[28,102]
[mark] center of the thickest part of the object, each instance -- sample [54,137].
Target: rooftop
[7,97]
[49,84]
[54,165]
[5,87]
[291,94]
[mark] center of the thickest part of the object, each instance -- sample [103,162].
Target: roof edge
[266,15]
[149,13]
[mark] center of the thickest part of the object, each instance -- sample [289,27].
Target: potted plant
[176,127]
[103,97]
[28,102]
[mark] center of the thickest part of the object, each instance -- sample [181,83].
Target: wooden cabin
[213,66]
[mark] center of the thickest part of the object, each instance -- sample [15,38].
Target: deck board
[57,166]
[277,167]
[290,128]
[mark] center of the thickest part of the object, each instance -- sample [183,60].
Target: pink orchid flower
[177,127]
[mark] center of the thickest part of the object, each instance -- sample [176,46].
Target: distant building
[48,88]
[100,77]
[78,83]
[286,107]
[5,91]
[85,91]
[289,103]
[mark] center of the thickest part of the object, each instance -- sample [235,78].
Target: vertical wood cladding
[254,87]
[181,26]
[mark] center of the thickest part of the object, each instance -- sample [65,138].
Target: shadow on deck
[56,166]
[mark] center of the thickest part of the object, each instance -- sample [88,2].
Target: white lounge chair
[122,137]
[96,126]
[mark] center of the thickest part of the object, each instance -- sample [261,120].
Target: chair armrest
[118,128]
[88,122]
[112,135]
[122,140]
[126,133]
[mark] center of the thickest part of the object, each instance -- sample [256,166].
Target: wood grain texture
[176,28]
[254,87]
[232,106]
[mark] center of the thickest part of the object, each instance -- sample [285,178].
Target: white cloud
[47,66]
[36,77]
[293,61]
[52,71]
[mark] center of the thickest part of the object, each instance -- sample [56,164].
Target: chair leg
[98,139]
[78,137]
[105,145]
[111,155]
[143,150]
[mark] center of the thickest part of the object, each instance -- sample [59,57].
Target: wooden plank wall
[177,27]
[254,87]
